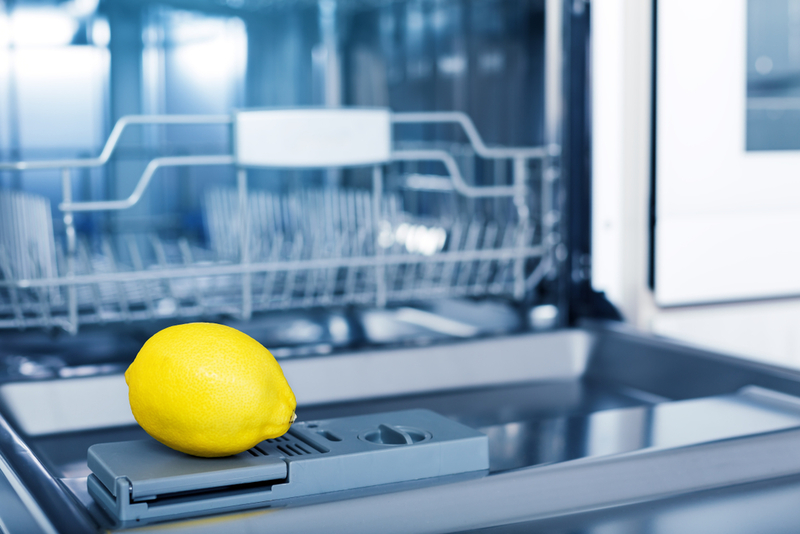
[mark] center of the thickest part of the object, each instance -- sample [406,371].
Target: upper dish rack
[351,247]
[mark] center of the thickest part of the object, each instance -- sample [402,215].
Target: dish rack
[326,247]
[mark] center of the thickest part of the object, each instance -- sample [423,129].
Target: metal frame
[44,313]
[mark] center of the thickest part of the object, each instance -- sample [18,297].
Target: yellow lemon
[208,390]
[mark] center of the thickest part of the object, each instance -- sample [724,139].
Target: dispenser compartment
[144,480]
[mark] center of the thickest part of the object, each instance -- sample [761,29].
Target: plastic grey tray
[144,480]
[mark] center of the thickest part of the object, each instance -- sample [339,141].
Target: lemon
[208,390]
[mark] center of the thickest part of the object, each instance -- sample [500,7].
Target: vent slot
[291,445]
[257,451]
[309,443]
[293,449]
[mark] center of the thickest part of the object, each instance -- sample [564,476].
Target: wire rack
[311,248]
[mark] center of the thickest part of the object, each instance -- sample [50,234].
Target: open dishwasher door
[567,422]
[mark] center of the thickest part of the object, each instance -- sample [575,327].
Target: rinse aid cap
[145,480]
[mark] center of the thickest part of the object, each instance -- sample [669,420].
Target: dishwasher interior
[391,197]
[576,419]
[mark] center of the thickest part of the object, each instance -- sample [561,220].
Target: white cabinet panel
[727,219]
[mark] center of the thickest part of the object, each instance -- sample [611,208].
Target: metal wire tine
[327,277]
[254,225]
[484,266]
[504,267]
[269,279]
[85,260]
[407,283]
[392,272]
[265,231]
[61,267]
[336,212]
[332,275]
[138,265]
[5,267]
[16,236]
[328,219]
[352,220]
[50,246]
[188,260]
[286,215]
[351,280]
[362,205]
[291,275]
[471,243]
[429,270]
[273,227]
[396,272]
[454,245]
[428,275]
[41,292]
[245,242]
[122,295]
[277,213]
[161,258]
[311,274]
[298,221]
[349,242]
[365,212]
[375,222]
[269,230]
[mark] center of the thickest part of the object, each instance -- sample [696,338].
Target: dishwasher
[417,258]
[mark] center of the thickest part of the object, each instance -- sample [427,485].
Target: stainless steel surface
[19,513]
[43,408]
[743,509]
[605,429]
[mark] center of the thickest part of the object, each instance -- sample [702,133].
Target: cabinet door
[727,150]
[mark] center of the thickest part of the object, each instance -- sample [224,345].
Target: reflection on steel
[351,249]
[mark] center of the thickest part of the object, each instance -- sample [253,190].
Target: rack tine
[85,260]
[332,275]
[41,292]
[352,272]
[188,260]
[311,274]
[291,275]
[471,243]
[61,266]
[454,245]
[5,267]
[161,258]
[138,264]
[484,266]
[270,278]
[504,267]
